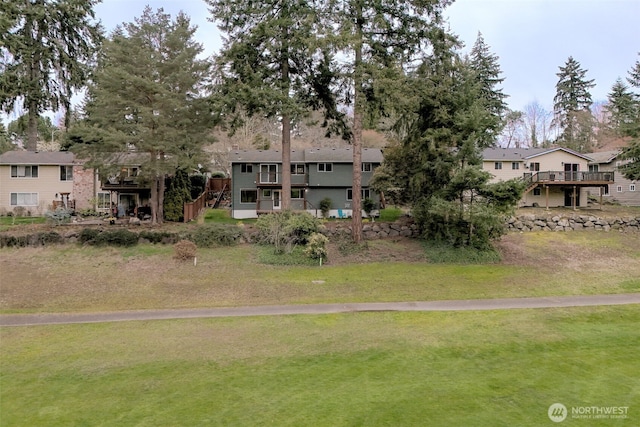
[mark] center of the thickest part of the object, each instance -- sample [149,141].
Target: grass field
[497,368]
[74,278]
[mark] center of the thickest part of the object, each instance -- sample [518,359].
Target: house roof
[37,158]
[522,154]
[604,156]
[312,155]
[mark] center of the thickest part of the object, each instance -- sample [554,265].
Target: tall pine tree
[46,51]
[148,97]
[379,41]
[623,110]
[272,65]
[487,69]
[571,107]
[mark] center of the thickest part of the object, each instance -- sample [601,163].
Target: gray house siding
[623,191]
[317,174]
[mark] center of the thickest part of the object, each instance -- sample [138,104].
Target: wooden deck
[567,179]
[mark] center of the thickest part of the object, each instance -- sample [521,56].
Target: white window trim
[632,187]
[619,189]
[497,165]
[24,176]
[325,167]
[37,199]
[367,167]
[515,166]
[269,181]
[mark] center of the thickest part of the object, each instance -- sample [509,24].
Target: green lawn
[496,368]
[75,278]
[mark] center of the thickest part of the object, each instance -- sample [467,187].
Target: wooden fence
[193,209]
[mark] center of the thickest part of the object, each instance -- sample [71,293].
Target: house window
[297,169]
[24,171]
[24,199]
[66,173]
[103,201]
[497,165]
[246,168]
[594,168]
[515,165]
[367,167]
[619,188]
[248,196]
[534,167]
[268,174]
[325,167]
[296,193]
[366,193]
[604,191]
[537,191]
[632,187]
[266,194]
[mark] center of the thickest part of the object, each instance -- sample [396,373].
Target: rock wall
[571,222]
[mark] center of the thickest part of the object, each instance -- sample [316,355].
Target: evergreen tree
[487,69]
[5,142]
[46,51]
[148,96]
[178,193]
[571,107]
[438,163]
[18,131]
[634,76]
[379,41]
[623,110]
[272,64]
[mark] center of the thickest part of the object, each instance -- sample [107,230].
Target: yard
[442,368]
[373,369]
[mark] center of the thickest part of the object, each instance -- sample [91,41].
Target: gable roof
[53,158]
[604,156]
[522,154]
[312,155]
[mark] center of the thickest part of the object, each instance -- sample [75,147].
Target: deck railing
[569,176]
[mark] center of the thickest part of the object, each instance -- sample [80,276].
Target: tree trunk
[153,200]
[358,104]
[286,130]
[161,187]
[286,162]
[32,127]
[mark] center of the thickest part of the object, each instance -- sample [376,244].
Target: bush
[185,250]
[88,235]
[158,236]
[286,229]
[59,216]
[316,246]
[325,206]
[120,237]
[212,235]
[48,238]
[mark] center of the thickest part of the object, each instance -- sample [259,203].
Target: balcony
[582,179]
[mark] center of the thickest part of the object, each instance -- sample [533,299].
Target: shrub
[88,235]
[59,216]
[286,229]
[120,237]
[325,206]
[48,238]
[185,250]
[368,205]
[316,246]
[158,236]
[212,235]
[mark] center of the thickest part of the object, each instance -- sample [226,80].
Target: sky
[532,38]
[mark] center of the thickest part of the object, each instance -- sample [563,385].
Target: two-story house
[35,182]
[316,174]
[622,190]
[554,176]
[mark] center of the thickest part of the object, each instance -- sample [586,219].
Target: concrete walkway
[277,310]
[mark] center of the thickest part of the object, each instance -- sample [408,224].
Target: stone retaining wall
[571,222]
